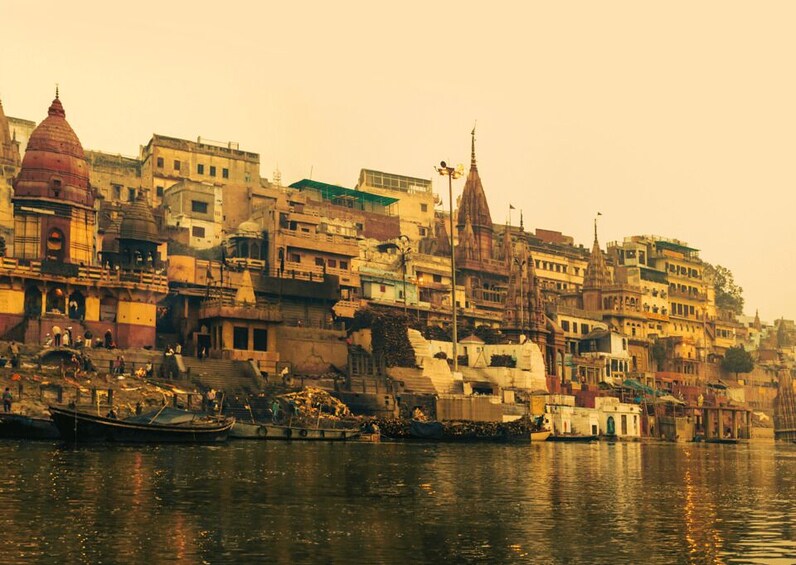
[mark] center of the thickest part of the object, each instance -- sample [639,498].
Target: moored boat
[167,425]
[572,438]
[262,430]
[541,435]
[21,426]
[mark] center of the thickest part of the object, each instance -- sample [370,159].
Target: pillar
[748,424]
[734,432]
[720,418]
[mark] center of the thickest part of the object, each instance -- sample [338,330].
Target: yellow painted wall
[136,313]
[92,308]
[12,301]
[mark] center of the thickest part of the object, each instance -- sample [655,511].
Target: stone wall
[311,351]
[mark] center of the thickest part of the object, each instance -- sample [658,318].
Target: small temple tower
[54,216]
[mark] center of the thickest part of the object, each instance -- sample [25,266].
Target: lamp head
[443,165]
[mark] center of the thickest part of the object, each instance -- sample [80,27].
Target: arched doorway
[56,246]
[76,306]
[56,300]
[32,301]
[108,306]
[610,426]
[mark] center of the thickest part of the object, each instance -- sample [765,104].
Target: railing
[88,272]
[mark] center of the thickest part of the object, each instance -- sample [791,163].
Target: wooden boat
[541,435]
[263,430]
[167,425]
[573,438]
[369,437]
[20,426]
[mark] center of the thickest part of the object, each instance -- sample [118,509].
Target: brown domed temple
[53,277]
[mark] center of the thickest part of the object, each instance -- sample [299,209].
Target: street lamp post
[452,173]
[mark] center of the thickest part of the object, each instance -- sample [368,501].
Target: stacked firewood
[311,402]
[463,429]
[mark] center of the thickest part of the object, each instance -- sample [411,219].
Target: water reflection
[352,503]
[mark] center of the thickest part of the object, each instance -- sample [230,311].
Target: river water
[269,502]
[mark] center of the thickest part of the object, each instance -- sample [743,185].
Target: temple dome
[249,229]
[138,223]
[110,239]
[54,165]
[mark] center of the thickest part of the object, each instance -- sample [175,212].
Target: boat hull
[261,430]
[79,427]
[573,438]
[19,426]
[541,435]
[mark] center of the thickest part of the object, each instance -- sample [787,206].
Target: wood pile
[462,430]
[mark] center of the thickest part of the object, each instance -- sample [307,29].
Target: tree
[729,296]
[737,360]
[659,353]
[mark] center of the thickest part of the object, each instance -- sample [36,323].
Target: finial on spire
[522,227]
[595,226]
[56,91]
[472,154]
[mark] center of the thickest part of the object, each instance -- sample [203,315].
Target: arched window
[55,245]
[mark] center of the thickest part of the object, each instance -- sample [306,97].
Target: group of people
[65,338]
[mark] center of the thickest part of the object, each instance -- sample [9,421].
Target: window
[117,192]
[344,265]
[160,162]
[332,263]
[212,170]
[295,257]
[437,278]
[422,231]
[197,231]
[240,337]
[225,173]
[260,339]
[565,325]
[130,194]
[584,329]
[159,191]
[424,207]
[382,288]
[176,165]
[198,207]
[200,169]
[319,261]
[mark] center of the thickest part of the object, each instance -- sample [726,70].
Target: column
[734,432]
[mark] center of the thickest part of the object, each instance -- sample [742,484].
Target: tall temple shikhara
[51,277]
[498,271]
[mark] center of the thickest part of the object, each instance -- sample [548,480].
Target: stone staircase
[221,374]
[436,371]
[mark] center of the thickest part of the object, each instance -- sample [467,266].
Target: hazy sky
[675,119]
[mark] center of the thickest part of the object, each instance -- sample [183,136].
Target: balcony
[227,308]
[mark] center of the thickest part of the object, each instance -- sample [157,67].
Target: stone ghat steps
[220,374]
[412,380]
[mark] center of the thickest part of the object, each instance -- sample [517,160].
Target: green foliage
[209,254]
[729,296]
[737,360]
[658,352]
[502,361]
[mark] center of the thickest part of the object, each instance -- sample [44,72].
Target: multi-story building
[415,200]
[198,209]
[115,177]
[9,166]
[167,160]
